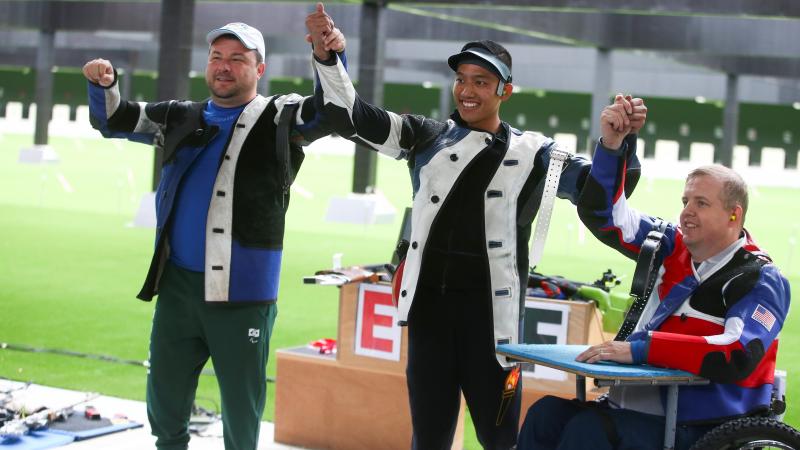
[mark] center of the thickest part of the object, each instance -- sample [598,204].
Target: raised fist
[99,71]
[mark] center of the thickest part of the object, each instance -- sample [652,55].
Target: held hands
[607,351]
[99,71]
[625,116]
[322,33]
[639,115]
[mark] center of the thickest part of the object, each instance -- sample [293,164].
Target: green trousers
[186,332]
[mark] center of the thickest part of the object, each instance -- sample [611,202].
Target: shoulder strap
[548,195]
[644,279]
[282,148]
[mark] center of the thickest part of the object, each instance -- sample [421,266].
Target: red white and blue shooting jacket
[719,320]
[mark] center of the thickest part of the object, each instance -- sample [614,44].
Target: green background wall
[681,120]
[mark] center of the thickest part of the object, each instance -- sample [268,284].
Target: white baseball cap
[249,36]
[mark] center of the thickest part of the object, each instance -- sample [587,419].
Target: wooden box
[346,401]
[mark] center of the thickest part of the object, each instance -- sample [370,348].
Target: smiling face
[475,94]
[708,226]
[232,72]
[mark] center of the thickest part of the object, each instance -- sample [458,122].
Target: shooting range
[722,84]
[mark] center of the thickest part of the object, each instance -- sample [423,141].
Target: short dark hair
[488,54]
[493,47]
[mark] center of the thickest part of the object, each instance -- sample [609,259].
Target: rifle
[568,289]
[612,304]
[7,394]
[16,428]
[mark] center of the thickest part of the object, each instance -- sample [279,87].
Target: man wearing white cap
[220,206]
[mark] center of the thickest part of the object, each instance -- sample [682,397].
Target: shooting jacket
[438,154]
[719,321]
[245,225]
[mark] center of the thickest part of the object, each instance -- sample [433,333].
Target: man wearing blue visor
[476,183]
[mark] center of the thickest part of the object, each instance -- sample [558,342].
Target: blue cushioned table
[606,373]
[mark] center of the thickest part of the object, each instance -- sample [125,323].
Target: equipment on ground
[19,426]
[91,413]
[202,419]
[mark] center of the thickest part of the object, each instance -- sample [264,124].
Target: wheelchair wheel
[750,433]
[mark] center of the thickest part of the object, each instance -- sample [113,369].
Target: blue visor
[477,55]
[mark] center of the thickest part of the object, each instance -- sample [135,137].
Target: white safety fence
[60,123]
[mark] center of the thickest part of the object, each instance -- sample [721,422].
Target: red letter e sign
[377,332]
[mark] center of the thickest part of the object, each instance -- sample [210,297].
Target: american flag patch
[764,317]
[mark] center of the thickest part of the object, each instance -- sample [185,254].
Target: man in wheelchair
[715,310]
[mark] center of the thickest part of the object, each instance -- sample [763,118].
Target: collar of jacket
[185,121]
[501,135]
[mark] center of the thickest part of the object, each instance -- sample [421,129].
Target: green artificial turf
[72,264]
